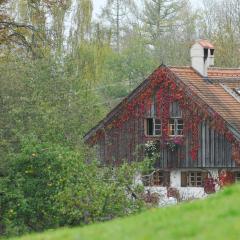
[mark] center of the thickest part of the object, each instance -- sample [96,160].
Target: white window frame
[193,176]
[176,126]
[154,127]
[237,176]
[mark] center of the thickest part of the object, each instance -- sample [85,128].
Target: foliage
[209,185]
[60,72]
[175,142]
[226,178]
[179,222]
[49,185]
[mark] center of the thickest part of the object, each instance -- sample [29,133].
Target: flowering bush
[226,178]
[152,149]
[209,185]
[174,142]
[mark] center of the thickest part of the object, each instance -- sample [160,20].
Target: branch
[17,25]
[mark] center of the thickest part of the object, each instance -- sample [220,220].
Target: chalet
[187,117]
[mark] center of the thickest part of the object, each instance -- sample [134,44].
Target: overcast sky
[98,4]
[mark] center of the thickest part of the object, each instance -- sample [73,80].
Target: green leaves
[49,185]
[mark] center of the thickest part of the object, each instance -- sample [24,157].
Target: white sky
[98,4]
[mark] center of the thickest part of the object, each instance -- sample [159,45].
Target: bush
[49,186]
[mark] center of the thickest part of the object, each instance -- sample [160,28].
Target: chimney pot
[202,56]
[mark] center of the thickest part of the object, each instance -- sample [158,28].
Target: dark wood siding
[126,144]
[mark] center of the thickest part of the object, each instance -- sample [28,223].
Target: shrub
[49,185]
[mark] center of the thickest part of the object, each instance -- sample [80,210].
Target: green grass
[217,217]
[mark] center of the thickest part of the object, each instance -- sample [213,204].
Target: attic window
[205,54]
[153,127]
[211,52]
[175,127]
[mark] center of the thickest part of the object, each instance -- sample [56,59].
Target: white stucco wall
[186,193]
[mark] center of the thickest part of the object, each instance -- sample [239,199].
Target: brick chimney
[202,56]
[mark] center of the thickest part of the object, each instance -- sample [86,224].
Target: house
[189,117]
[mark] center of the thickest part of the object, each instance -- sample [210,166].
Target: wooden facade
[127,143]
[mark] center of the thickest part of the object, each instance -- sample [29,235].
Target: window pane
[157,132]
[157,127]
[150,126]
[237,176]
[172,127]
[179,127]
[195,179]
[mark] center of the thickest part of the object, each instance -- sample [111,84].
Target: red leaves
[167,91]
[226,178]
[194,152]
[236,152]
[209,185]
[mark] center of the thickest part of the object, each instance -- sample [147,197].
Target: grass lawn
[217,217]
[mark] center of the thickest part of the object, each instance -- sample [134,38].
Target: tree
[49,185]
[15,34]
[116,12]
[163,22]
[159,16]
[220,23]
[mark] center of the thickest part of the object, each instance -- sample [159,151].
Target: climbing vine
[168,89]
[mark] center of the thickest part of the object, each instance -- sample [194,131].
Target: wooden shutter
[184,179]
[166,179]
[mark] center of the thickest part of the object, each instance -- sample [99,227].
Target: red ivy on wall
[226,178]
[168,89]
[209,185]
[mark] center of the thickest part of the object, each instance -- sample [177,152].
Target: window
[153,127]
[193,179]
[176,127]
[157,178]
[237,176]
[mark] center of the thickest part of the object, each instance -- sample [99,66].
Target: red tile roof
[224,73]
[215,93]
